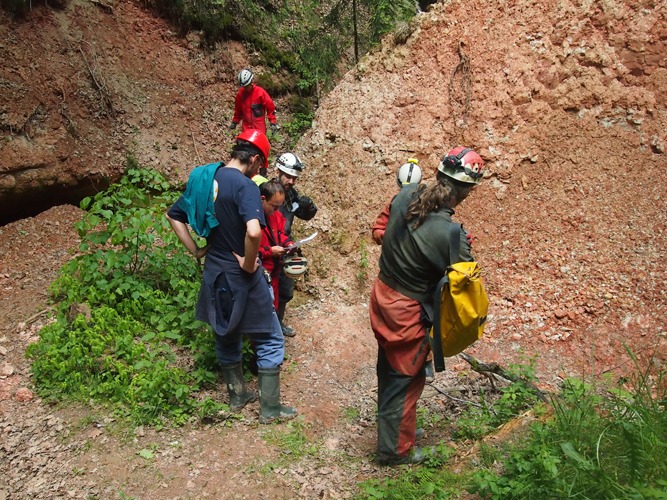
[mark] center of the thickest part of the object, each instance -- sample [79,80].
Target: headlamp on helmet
[463,164]
[295,266]
[290,164]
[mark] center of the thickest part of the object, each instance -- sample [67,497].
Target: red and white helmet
[245,77]
[295,266]
[290,164]
[463,164]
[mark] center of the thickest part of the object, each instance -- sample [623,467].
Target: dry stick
[101,87]
[37,315]
[195,145]
[458,400]
[495,369]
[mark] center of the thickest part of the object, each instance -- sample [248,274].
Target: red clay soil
[565,102]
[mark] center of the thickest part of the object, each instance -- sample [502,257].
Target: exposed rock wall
[566,103]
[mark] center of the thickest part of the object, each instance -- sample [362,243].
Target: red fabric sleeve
[380,225]
[270,107]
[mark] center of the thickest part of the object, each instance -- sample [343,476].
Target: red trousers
[402,350]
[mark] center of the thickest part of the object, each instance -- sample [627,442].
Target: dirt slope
[567,105]
[84,87]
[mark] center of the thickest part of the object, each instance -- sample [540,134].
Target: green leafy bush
[141,347]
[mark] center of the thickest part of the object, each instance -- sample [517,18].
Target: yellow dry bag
[460,306]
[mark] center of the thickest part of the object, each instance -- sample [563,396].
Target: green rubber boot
[269,397]
[238,395]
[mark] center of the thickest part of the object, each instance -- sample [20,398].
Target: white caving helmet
[295,266]
[409,173]
[463,164]
[290,164]
[245,77]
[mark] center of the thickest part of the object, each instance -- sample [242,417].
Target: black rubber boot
[238,395]
[269,397]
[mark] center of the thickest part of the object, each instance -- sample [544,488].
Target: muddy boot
[238,395]
[415,456]
[269,397]
[288,331]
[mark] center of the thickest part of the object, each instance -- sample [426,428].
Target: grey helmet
[290,164]
[245,77]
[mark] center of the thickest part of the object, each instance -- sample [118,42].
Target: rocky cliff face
[84,88]
[566,103]
[564,100]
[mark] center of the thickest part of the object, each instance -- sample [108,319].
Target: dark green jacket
[413,260]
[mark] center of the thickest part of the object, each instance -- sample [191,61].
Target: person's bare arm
[184,236]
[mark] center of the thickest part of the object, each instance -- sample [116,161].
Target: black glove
[305,202]
[274,128]
[232,126]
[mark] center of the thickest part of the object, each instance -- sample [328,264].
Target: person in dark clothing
[234,297]
[415,254]
[288,170]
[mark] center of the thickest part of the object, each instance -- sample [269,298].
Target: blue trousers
[270,347]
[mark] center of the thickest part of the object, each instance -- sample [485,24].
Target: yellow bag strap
[436,339]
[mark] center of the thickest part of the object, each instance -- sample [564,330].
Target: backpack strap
[454,243]
[436,341]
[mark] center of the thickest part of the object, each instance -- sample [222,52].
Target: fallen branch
[458,400]
[37,315]
[488,369]
[195,145]
[105,7]
[99,84]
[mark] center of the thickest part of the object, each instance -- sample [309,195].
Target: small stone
[24,395]
[6,370]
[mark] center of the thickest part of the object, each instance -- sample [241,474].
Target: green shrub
[481,419]
[142,348]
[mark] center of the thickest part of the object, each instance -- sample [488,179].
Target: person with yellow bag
[415,254]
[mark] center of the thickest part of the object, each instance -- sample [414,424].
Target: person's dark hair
[270,188]
[244,150]
[445,192]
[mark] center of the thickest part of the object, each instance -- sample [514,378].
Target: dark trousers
[397,408]
[285,294]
